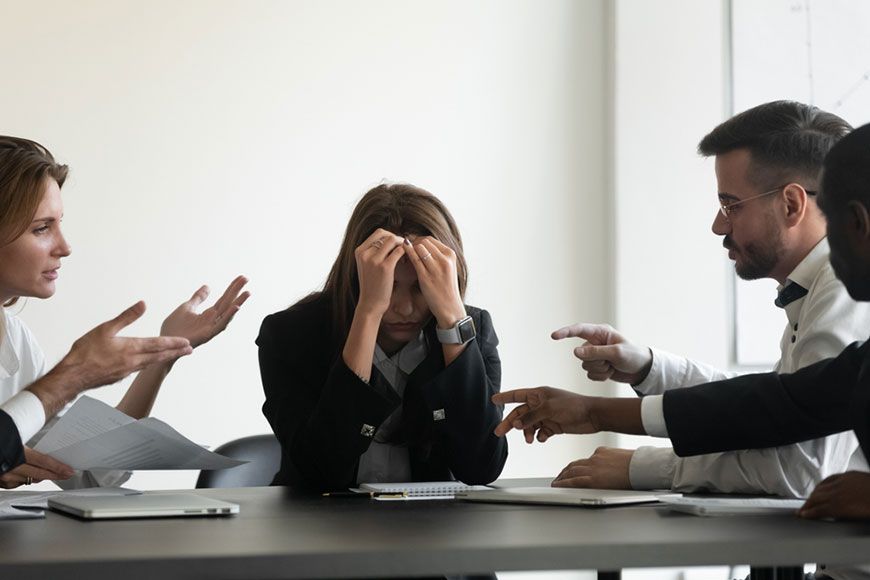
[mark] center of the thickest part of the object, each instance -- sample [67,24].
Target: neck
[390,347]
[795,254]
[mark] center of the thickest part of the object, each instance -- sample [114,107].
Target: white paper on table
[97,436]
[37,501]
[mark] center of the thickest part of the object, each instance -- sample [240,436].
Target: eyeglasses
[725,208]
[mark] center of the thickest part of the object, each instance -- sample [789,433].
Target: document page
[93,435]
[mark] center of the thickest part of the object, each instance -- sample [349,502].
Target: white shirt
[22,362]
[820,325]
[387,462]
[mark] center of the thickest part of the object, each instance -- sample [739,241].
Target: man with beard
[768,160]
[758,410]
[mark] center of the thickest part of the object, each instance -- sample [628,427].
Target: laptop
[562,496]
[158,505]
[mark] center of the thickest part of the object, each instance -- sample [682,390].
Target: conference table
[279,534]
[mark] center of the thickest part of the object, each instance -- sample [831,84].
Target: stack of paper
[727,506]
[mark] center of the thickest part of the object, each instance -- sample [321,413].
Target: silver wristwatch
[459,333]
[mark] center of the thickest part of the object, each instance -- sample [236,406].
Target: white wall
[210,138]
[671,270]
[671,273]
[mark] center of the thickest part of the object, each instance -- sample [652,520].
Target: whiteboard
[813,51]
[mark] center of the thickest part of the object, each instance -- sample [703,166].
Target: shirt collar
[408,358]
[9,362]
[808,268]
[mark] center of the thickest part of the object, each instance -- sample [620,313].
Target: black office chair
[263,452]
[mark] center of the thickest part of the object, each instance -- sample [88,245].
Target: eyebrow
[46,220]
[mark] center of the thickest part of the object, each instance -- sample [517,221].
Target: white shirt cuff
[652,468]
[27,413]
[652,414]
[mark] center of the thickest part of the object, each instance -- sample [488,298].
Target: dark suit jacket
[317,406]
[11,450]
[770,409]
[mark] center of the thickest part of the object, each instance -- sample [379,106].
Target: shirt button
[795,326]
[793,338]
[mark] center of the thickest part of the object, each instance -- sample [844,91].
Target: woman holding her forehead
[386,375]
[32,247]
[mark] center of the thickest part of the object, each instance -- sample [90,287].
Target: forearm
[139,398]
[359,349]
[58,387]
[462,392]
[620,415]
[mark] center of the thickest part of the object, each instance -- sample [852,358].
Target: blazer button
[367,430]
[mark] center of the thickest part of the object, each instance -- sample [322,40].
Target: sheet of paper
[725,506]
[96,438]
[87,418]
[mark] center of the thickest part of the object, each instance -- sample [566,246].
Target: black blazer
[317,406]
[770,409]
[11,450]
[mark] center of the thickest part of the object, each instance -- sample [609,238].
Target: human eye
[40,230]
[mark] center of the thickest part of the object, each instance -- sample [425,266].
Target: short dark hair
[786,140]
[846,175]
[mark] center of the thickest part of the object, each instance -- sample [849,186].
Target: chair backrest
[263,452]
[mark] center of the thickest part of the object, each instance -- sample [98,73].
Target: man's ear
[858,220]
[796,204]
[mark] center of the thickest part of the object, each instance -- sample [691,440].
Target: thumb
[590,353]
[126,318]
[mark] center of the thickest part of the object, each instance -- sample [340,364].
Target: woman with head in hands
[32,248]
[386,375]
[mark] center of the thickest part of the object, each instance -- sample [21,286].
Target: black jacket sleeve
[317,409]
[463,391]
[770,409]
[11,450]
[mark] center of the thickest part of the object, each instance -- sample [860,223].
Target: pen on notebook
[366,494]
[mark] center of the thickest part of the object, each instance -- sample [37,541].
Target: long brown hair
[400,208]
[24,167]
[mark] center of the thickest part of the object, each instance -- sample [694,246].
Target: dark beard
[758,260]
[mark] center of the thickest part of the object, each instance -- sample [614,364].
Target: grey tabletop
[282,535]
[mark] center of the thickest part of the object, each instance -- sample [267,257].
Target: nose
[62,248]
[721,226]
[402,304]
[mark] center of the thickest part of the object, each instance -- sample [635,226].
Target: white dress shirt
[819,326]
[21,364]
[385,462]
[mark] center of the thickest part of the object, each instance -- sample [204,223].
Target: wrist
[620,415]
[449,317]
[368,313]
[57,388]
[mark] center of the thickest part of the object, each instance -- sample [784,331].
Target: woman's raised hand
[200,328]
[376,260]
[436,271]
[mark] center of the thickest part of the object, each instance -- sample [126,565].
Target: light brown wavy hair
[24,167]
[400,208]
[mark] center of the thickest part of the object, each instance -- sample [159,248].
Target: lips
[51,274]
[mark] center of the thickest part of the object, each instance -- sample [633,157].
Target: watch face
[466,330]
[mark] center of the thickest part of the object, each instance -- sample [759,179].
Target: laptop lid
[157,505]
[562,496]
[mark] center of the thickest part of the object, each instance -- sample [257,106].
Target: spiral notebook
[422,489]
